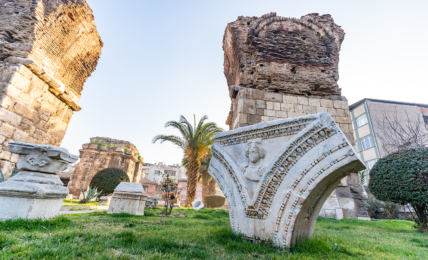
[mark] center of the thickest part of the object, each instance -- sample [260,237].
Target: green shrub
[108,179]
[402,177]
[214,201]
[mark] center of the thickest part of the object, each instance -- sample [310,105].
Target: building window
[367,142]
[184,187]
[157,172]
[145,187]
[370,164]
[183,197]
[362,120]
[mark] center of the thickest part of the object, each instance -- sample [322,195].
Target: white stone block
[277,175]
[105,200]
[36,191]
[197,204]
[128,198]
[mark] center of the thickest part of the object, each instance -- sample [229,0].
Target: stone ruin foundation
[48,48]
[278,67]
[36,191]
[128,198]
[102,153]
[277,175]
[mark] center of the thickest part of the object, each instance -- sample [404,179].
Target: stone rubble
[105,200]
[151,202]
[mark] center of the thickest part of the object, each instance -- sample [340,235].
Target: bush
[108,179]
[214,201]
[402,177]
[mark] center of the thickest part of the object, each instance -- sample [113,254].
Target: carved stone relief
[275,179]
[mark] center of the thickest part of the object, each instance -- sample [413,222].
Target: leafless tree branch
[397,134]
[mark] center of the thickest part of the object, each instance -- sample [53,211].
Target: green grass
[203,234]
[75,203]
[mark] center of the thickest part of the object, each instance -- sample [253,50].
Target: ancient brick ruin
[278,67]
[102,153]
[48,48]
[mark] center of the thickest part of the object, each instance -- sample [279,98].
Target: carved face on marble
[255,154]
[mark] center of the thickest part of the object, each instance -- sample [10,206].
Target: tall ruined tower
[48,48]
[278,67]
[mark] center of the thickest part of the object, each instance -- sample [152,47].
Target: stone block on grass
[128,198]
[36,191]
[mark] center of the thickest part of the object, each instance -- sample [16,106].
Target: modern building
[372,131]
[156,172]
[151,188]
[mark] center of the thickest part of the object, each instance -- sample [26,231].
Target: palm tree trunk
[192,181]
[211,186]
[204,187]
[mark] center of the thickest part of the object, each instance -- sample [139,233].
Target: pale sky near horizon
[162,59]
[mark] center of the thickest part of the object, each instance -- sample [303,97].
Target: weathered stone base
[128,198]
[24,208]
[30,195]
[127,203]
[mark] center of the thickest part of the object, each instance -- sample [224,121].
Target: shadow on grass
[235,243]
[319,246]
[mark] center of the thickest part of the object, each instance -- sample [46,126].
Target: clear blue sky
[162,59]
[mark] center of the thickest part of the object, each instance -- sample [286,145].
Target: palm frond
[180,126]
[171,138]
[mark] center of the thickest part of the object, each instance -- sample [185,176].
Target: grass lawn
[203,234]
[75,203]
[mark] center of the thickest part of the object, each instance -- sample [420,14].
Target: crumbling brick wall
[48,48]
[287,55]
[102,153]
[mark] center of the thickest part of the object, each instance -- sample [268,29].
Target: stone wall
[47,51]
[252,106]
[279,67]
[110,153]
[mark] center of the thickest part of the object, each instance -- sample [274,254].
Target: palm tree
[204,175]
[208,183]
[195,140]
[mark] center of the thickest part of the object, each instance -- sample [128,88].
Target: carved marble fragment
[277,175]
[36,191]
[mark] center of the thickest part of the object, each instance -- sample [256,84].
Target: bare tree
[401,133]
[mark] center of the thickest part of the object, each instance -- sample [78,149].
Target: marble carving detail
[36,191]
[271,184]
